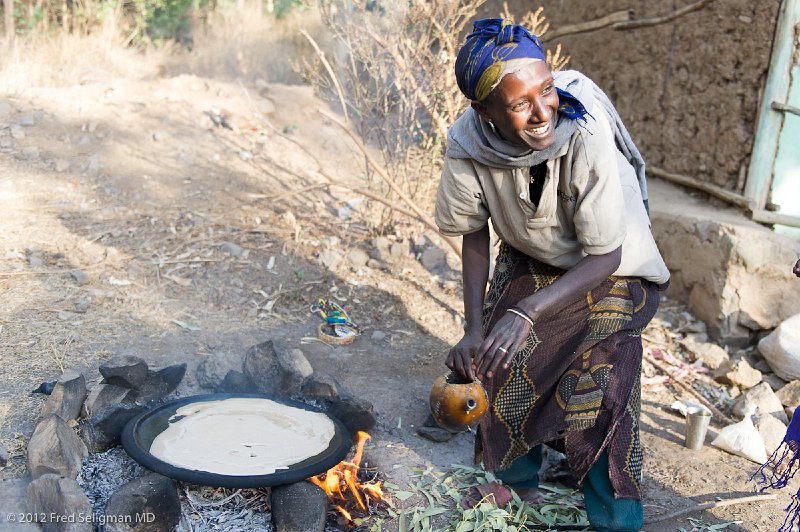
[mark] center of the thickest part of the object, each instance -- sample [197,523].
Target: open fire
[346,490]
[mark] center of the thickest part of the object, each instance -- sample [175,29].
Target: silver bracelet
[521,315]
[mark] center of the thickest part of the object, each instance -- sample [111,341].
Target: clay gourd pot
[457,403]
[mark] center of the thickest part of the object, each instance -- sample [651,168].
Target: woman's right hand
[460,357]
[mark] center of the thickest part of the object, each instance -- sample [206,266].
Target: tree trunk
[8,10]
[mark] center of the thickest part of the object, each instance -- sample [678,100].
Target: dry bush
[392,68]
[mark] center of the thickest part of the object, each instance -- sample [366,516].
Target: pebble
[232,249]
[158,136]
[378,336]
[245,155]
[17,133]
[26,120]
[79,276]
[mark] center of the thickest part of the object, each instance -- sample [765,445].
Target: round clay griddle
[139,433]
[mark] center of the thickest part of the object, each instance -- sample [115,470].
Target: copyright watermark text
[79,517]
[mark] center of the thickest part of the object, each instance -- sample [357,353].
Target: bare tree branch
[328,67]
[641,23]
[591,25]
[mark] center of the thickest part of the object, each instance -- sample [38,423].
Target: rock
[355,413]
[232,249]
[433,259]
[763,398]
[125,370]
[103,429]
[54,495]
[295,371]
[160,383]
[781,349]
[775,382]
[160,135]
[357,258]
[378,336]
[738,373]
[380,249]
[67,396]
[321,387]
[26,120]
[6,109]
[771,430]
[276,370]
[762,366]
[266,106]
[3,456]
[299,507]
[29,153]
[212,370]
[262,368]
[711,355]
[236,382]
[104,395]
[789,395]
[375,264]
[35,259]
[80,277]
[83,304]
[151,501]
[45,388]
[435,434]
[329,258]
[55,448]
[245,155]
[17,133]
[397,250]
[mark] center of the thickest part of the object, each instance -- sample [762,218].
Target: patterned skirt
[575,383]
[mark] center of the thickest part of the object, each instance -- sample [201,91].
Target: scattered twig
[452,242]
[709,505]
[591,25]
[330,71]
[641,23]
[664,369]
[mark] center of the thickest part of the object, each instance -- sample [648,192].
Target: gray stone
[212,370]
[380,249]
[330,258]
[433,259]
[378,336]
[26,120]
[435,434]
[160,383]
[232,249]
[772,431]
[160,135]
[376,264]
[711,355]
[261,367]
[67,396]
[35,259]
[83,304]
[358,258]
[14,500]
[236,382]
[295,370]
[3,456]
[80,277]
[152,496]
[738,373]
[398,250]
[103,430]
[54,495]
[781,349]
[761,365]
[125,370]
[321,387]
[29,153]
[355,413]
[762,397]
[789,395]
[299,507]
[55,448]
[775,382]
[103,395]
[17,133]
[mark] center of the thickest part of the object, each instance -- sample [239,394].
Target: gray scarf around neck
[471,137]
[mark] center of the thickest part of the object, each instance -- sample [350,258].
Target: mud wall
[688,89]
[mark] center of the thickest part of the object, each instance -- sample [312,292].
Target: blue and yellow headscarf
[493,43]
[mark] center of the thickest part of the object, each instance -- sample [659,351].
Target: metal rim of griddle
[139,433]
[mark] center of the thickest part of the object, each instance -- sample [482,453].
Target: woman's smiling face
[524,107]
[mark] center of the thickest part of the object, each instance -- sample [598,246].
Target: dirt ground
[132,223]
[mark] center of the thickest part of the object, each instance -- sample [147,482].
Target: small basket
[324,333]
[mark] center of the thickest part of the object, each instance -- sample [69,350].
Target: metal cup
[696,427]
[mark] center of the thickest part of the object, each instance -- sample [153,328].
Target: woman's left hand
[503,341]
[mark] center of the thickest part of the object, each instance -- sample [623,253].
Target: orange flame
[342,479]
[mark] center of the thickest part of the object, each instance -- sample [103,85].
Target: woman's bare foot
[530,495]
